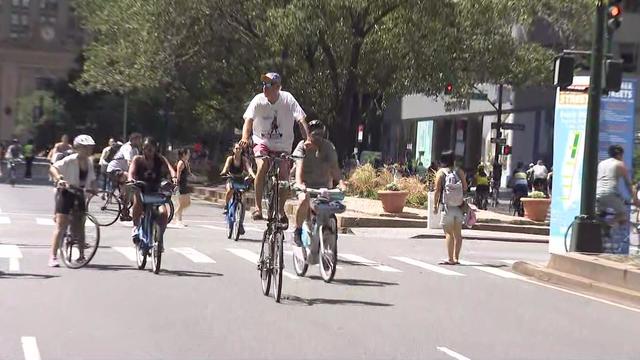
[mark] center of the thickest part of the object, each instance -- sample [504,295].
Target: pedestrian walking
[27,152]
[450,186]
[183,170]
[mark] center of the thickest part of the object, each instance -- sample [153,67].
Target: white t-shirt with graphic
[273,123]
[122,158]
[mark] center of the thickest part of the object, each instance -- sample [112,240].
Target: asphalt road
[390,299]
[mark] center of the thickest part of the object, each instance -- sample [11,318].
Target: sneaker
[297,237]
[53,262]
[284,222]
[225,211]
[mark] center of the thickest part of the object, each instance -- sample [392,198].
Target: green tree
[38,113]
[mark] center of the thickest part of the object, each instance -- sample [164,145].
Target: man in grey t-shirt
[318,169]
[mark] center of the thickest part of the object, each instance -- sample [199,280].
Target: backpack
[112,152]
[452,189]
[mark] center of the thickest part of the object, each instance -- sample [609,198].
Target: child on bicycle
[236,166]
[74,171]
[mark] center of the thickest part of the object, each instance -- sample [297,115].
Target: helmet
[316,125]
[85,140]
[15,141]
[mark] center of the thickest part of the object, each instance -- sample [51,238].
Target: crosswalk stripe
[509,262]
[253,258]
[362,261]
[30,348]
[10,251]
[128,252]
[194,255]
[491,270]
[290,253]
[426,266]
[5,220]
[45,221]
[213,227]
[14,264]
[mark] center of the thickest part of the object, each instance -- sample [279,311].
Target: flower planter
[535,209]
[393,201]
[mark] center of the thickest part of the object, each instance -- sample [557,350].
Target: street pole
[124,118]
[499,129]
[585,236]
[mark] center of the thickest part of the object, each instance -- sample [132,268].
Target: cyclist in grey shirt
[611,172]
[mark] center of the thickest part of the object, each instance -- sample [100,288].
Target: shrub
[417,190]
[392,187]
[537,195]
[364,182]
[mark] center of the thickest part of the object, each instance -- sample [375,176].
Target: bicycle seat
[153,199]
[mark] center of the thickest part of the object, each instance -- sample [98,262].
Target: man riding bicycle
[118,170]
[611,172]
[317,169]
[76,171]
[149,168]
[481,182]
[268,121]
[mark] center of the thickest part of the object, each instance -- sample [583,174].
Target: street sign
[508,126]
[501,141]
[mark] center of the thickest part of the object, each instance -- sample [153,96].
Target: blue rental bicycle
[235,211]
[150,232]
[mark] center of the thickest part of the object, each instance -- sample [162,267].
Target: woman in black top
[183,169]
[235,166]
[150,168]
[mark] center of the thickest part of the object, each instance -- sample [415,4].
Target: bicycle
[150,234]
[235,211]
[271,261]
[107,206]
[320,234]
[515,205]
[12,164]
[74,246]
[495,194]
[480,199]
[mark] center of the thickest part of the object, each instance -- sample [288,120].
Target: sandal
[256,215]
[447,262]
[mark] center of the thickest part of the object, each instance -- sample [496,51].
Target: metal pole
[585,236]
[499,122]
[124,118]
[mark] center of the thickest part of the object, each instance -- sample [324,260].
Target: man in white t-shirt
[268,122]
[118,169]
[540,173]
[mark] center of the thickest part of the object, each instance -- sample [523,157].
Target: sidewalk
[369,213]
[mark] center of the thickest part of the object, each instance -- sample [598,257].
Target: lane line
[362,261]
[4,220]
[128,252]
[452,353]
[10,251]
[14,264]
[491,270]
[253,258]
[194,255]
[30,348]
[427,266]
[213,227]
[45,221]
[509,262]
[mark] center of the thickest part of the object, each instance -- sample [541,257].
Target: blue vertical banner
[424,139]
[617,125]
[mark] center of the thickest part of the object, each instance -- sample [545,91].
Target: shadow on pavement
[483,265]
[319,301]
[109,267]
[188,273]
[4,275]
[356,282]
[250,240]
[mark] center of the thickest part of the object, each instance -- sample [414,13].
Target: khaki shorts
[451,215]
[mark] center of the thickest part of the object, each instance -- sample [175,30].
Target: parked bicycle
[150,231]
[271,261]
[81,238]
[320,234]
[236,212]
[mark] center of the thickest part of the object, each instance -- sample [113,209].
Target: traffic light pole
[586,232]
[499,129]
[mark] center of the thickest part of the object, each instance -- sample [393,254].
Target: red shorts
[262,149]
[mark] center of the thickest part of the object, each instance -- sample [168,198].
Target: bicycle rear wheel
[156,250]
[238,213]
[105,207]
[172,211]
[328,250]
[278,264]
[264,264]
[75,253]
[141,255]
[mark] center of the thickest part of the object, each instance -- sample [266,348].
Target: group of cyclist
[268,129]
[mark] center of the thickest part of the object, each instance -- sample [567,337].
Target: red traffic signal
[614,15]
[506,150]
[448,89]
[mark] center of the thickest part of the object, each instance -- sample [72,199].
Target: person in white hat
[75,171]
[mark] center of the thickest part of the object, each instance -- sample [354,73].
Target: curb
[574,282]
[519,229]
[484,238]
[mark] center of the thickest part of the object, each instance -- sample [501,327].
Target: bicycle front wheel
[76,253]
[264,264]
[156,250]
[172,211]
[328,250]
[105,207]
[237,223]
[278,264]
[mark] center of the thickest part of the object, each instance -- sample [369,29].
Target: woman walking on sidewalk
[183,170]
[450,186]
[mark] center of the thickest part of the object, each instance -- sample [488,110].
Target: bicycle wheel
[76,254]
[156,250]
[171,211]
[237,223]
[105,207]
[299,264]
[141,255]
[264,263]
[328,250]
[278,264]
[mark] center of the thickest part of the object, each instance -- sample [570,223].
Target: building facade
[39,42]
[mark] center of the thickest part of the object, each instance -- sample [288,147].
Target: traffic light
[614,15]
[506,150]
[448,89]
[613,70]
[563,71]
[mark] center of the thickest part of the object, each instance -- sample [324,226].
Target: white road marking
[362,261]
[30,348]
[10,251]
[213,227]
[14,264]
[128,252]
[194,255]
[491,270]
[253,258]
[5,220]
[45,221]
[290,253]
[427,266]
[509,262]
[452,353]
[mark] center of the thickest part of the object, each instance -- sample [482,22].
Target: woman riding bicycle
[520,186]
[148,168]
[237,166]
[481,181]
[73,171]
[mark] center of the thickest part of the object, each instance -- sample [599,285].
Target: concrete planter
[536,209]
[393,201]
